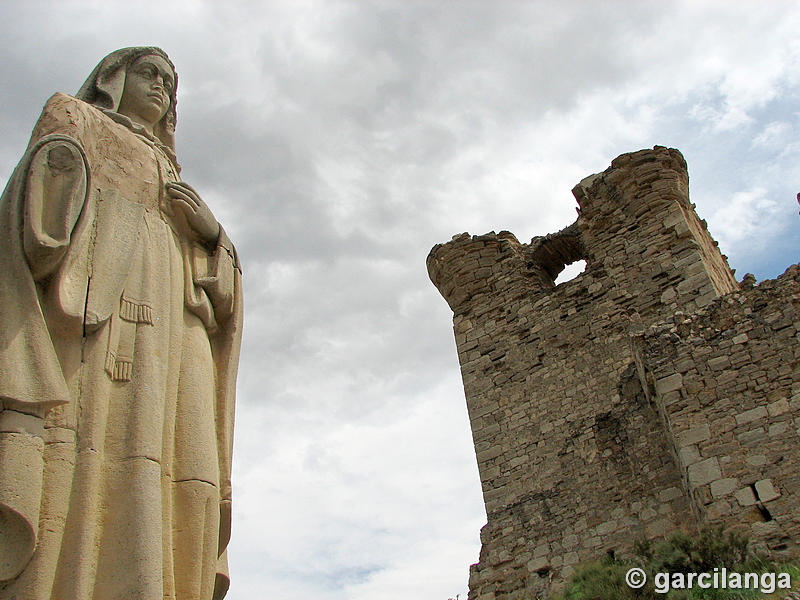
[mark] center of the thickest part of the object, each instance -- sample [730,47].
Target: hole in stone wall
[764,512]
[571,271]
[759,505]
[543,572]
[549,255]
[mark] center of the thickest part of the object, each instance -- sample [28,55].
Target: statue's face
[149,82]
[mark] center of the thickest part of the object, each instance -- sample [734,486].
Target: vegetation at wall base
[712,548]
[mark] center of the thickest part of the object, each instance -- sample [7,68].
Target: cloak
[118,355]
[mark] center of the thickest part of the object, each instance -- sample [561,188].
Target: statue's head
[139,82]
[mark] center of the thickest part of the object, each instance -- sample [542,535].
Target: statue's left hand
[197,214]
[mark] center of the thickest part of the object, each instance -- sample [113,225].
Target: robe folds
[119,344]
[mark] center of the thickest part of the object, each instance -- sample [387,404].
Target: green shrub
[598,581]
[680,553]
[712,547]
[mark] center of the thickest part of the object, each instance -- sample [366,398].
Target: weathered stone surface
[723,487]
[749,416]
[670,383]
[652,371]
[694,435]
[704,472]
[778,408]
[745,496]
[766,491]
[119,344]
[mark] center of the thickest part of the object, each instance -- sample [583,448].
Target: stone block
[648,514]
[669,384]
[766,529]
[719,363]
[571,558]
[704,472]
[745,496]
[702,495]
[689,455]
[752,437]
[659,528]
[766,491]
[723,487]
[669,494]
[778,408]
[538,564]
[777,429]
[749,416]
[717,510]
[606,528]
[694,435]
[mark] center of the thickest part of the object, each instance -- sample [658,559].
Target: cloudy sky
[338,142]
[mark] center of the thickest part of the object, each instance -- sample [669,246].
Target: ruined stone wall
[727,384]
[576,450]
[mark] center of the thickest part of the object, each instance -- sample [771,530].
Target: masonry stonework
[651,393]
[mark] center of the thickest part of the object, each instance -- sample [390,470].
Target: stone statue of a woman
[121,308]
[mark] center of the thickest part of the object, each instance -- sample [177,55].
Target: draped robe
[119,345]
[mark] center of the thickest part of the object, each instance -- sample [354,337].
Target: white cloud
[747,216]
[774,135]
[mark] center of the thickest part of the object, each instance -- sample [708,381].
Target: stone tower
[594,410]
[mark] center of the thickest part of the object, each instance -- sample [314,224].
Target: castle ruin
[651,393]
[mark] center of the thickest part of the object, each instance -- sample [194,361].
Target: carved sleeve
[41,206]
[55,194]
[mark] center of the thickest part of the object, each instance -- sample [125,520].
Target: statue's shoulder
[65,106]
[62,99]
[67,115]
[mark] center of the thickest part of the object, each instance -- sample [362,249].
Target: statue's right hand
[197,213]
